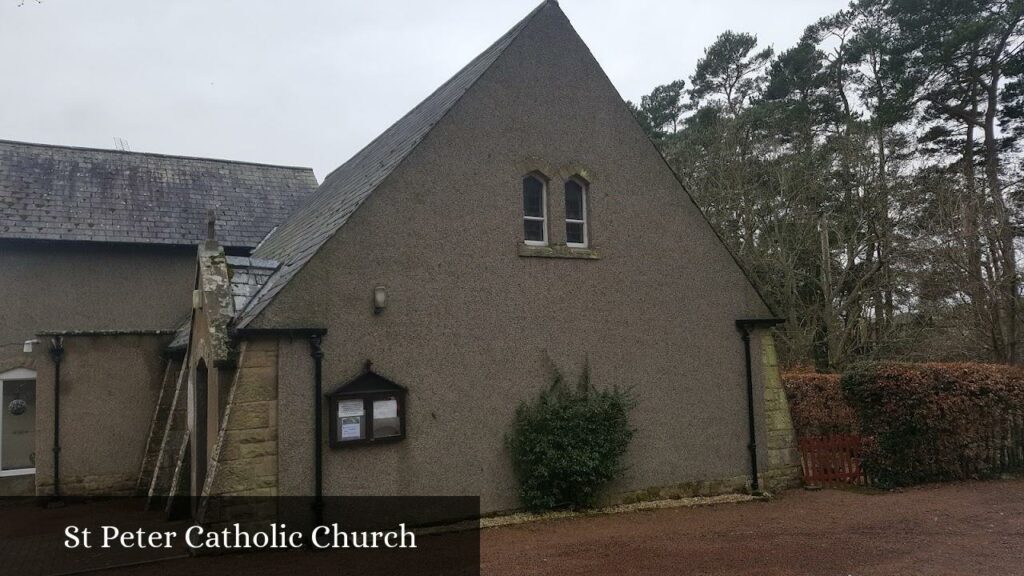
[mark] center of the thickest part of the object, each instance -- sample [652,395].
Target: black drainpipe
[317,352]
[745,327]
[56,354]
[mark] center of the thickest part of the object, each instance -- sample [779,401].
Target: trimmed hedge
[934,422]
[817,406]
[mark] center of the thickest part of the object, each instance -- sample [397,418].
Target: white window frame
[16,374]
[543,218]
[585,188]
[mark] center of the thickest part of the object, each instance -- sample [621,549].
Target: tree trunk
[1006,282]
[827,304]
[975,287]
[885,234]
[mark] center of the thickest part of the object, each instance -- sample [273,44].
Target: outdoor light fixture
[27,348]
[380,299]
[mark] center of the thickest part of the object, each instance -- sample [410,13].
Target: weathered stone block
[256,493]
[233,476]
[248,415]
[781,439]
[778,420]
[260,358]
[250,436]
[255,384]
[229,451]
[256,450]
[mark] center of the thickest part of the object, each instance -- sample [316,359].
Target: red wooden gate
[832,460]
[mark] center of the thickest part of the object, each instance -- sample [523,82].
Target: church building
[379,337]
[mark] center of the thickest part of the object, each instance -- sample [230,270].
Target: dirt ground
[965,528]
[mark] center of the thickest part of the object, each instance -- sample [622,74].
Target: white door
[17,422]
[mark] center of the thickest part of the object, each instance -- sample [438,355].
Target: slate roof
[247,276]
[67,193]
[181,335]
[347,187]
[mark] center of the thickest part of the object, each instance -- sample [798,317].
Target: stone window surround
[563,173]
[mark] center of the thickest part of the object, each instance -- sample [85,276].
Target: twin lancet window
[535,212]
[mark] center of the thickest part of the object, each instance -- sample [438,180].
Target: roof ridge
[513,30]
[157,154]
[347,187]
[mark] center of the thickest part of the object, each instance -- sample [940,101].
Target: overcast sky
[306,82]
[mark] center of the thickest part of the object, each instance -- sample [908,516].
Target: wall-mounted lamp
[27,348]
[380,299]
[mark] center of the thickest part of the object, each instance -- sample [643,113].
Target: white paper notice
[350,408]
[350,430]
[385,409]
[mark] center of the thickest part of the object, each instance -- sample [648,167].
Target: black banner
[273,535]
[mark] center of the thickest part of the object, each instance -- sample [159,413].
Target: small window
[369,409]
[17,422]
[535,229]
[575,214]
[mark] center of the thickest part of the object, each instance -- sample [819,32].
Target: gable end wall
[470,324]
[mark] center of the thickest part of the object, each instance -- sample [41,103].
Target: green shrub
[932,422]
[568,443]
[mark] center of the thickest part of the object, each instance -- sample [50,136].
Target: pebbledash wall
[109,385]
[84,286]
[470,324]
[258,454]
[141,287]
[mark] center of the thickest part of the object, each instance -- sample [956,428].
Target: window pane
[574,232]
[351,420]
[385,418]
[534,230]
[573,200]
[533,197]
[19,425]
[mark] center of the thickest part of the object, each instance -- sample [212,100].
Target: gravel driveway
[965,528]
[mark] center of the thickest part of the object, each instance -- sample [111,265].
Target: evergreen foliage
[869,177]
[569,443]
